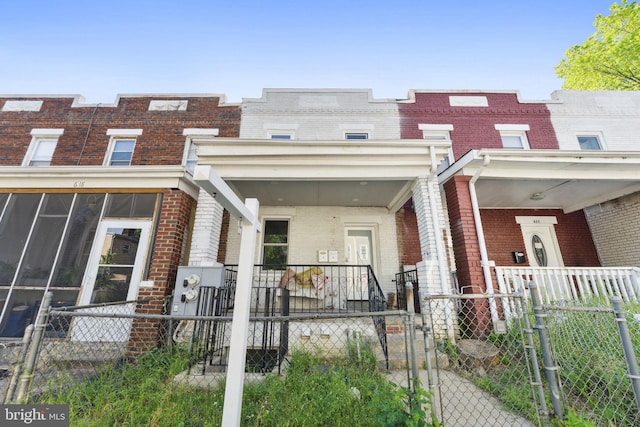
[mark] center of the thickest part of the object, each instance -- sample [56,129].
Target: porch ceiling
[376,173]
[567,180]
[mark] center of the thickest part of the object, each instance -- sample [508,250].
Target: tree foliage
[610,58]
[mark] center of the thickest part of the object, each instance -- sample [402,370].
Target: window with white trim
[121,146]
[514,137]
[190,156]
[285,136]
[121,151]
[275,244]
[356,135]
[439,133]
[42,146]
[590,142]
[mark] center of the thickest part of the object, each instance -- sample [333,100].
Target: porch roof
[378,173]
[84,178]
[559,179]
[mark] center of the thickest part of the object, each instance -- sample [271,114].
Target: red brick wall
[408,236]
[503,236]
[85,140]
[474,127]
[175,214]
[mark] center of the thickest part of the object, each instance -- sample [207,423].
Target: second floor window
[42,152]
[359,135]
[589,142]
[43,144]
[121,152]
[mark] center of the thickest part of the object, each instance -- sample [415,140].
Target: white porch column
[206,231]
[433,270]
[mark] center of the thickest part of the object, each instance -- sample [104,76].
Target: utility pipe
[482,245]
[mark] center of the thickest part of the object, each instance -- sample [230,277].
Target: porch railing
[572,283]
[409,277]
[281,291]
[317,288]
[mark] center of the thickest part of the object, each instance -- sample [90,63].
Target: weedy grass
[345,391]
[591,367]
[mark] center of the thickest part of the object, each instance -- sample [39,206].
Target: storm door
[113,275]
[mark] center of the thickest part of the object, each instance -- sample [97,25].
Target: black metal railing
[403,279]
[281,291]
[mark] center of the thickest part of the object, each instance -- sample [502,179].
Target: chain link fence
[487,360]
[77,344]
[509,361]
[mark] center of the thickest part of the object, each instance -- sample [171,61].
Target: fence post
[627,346]
[549,368]
[412,345]
[26,339]
[537,378]
[34,348]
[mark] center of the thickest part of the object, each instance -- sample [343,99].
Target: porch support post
[213,184]
[232,409]
[206,231]
[428,234]
[434,265]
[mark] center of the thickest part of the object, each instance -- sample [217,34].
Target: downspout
[437,234]
[484,258]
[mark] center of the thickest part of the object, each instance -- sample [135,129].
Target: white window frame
[511,130]
[38,136]
[348,134]
[120,135]
[442,133]
[598,135]
[193,135]
[280,136]
[263,244]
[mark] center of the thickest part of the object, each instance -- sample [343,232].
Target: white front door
[541,243]
[113,274]
[360,252]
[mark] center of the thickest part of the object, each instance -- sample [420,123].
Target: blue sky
[99,49]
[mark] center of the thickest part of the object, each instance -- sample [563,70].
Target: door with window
[113,274]
[359,254]
[541,245]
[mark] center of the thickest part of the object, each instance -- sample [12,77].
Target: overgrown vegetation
[592,370]
[313,392]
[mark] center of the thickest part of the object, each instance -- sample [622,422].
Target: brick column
[205,243]
[166,256]
[428,267]
[476,314]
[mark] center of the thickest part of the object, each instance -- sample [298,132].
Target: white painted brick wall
[429,273]
[206,231]
[616,114]
[320,114]
[314,228]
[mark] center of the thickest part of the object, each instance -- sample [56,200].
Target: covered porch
[333,202]
[530,222]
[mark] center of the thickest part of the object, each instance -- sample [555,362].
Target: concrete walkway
[460,403]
